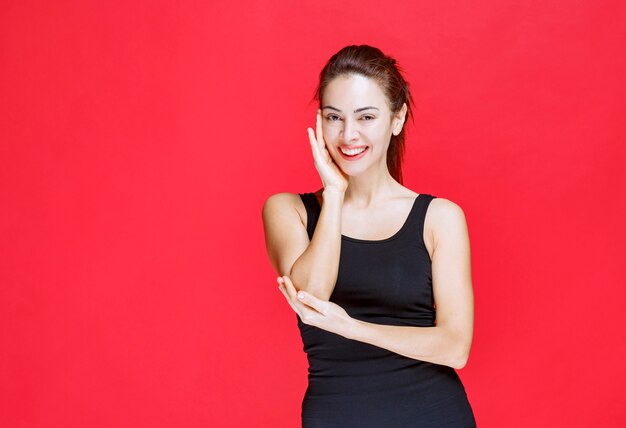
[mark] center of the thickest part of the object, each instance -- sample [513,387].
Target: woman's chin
[353,171]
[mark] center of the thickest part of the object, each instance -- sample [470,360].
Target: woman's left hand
[316,312]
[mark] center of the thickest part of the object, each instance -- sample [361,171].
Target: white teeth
[353,152]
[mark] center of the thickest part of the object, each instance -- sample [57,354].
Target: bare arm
[449,342]
[316,269]
[313,265]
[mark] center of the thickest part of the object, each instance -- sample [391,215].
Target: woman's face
[356,116]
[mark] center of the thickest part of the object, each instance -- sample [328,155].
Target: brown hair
[370,62]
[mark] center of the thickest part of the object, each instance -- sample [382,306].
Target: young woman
[379,276]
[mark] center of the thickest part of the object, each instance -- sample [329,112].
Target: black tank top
[354,384]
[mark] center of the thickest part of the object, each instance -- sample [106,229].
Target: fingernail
[300,295]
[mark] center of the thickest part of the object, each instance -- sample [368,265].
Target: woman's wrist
[332,193]
[355,329]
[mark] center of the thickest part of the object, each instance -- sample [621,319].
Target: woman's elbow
[311,286]
[459,362]
[460,357]
[459,349]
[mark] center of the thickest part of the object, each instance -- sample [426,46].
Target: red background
[139,140]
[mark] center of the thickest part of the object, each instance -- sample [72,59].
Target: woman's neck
[369,189]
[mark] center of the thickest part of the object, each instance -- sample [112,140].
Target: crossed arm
[449,341]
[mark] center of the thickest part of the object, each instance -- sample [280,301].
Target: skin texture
[360,199]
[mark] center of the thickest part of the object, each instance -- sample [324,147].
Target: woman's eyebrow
[356,111]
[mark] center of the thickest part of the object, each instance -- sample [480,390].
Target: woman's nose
[350,131]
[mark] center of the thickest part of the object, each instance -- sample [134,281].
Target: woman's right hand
[333,178]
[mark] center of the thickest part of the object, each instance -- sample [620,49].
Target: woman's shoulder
[278,202]
[289,198]
[444,207]
[444,216]
[281,201]
[437,207]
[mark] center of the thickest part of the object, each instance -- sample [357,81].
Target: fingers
[316,136]
[304,297]
[291,289]
[323,150]
[313,141]
[312,301]
[288,292]
[319,132]
[281,287]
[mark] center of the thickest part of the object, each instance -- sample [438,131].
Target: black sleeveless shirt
[354,384]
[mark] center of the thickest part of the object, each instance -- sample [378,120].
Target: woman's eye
[368,118]
[332,117]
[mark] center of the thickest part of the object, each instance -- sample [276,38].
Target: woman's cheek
[330,133]
[325,130]
[328,128]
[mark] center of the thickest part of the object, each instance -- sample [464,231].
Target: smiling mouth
[352,152]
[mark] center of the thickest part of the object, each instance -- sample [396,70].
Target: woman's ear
[398,120]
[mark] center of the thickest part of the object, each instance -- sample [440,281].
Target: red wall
[139,140]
